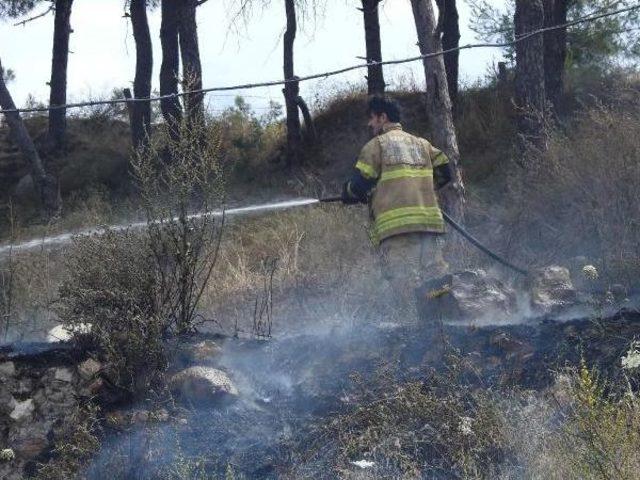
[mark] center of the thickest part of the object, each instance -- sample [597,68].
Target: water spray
[67,237]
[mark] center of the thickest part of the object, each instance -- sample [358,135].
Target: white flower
[465,426]
[363,464]
[6,455]
[632,359]
[590,272]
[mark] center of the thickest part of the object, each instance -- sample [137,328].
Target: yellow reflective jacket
[404,199]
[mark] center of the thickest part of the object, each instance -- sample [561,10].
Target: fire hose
[456,226]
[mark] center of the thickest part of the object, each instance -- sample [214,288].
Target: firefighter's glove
[347,196]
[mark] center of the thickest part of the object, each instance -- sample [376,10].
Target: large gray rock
[551,290]
[471,295]
[203,384]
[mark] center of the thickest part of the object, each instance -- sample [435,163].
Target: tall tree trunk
[439,104]
[141,111]
[45,184]
[529,82]
[170,68]
[60,60]
[449,24]
[291,89]
[555,50]
[375,77]
[191,66]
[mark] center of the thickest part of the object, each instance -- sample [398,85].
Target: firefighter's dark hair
[380,104]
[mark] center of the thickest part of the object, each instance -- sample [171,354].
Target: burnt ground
[288,386]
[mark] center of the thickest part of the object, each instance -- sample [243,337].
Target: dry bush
[582,428]
[135,289]
[27,289]
[181,182]
[601,435]
[112,286]
[582,196]
[77,442]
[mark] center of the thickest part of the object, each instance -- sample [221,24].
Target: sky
[103,51]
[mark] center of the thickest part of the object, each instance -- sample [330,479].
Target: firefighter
[397,174]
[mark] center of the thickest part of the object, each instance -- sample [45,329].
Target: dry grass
[428,428]
[581,197]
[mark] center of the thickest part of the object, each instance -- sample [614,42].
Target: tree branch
[31,19]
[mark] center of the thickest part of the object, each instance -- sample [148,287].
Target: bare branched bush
[136,288]
[181,182]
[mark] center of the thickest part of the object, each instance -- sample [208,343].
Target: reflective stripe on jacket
[404,199]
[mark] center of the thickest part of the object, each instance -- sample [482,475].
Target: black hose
[462,232]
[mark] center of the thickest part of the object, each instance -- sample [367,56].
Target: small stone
[22,410]
[8,369]
[89,368]
[63,375]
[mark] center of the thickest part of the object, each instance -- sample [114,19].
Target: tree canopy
[591,44]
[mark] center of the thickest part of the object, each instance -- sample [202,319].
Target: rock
[22,410]
[203,384]
[89,368]
[63,375]
[61,333]
[551,290]
[467,296]
[8,369]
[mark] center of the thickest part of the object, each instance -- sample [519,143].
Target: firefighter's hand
[347,197]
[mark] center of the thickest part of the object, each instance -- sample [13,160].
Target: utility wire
[248,86]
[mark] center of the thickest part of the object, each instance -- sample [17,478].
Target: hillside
[298,361]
